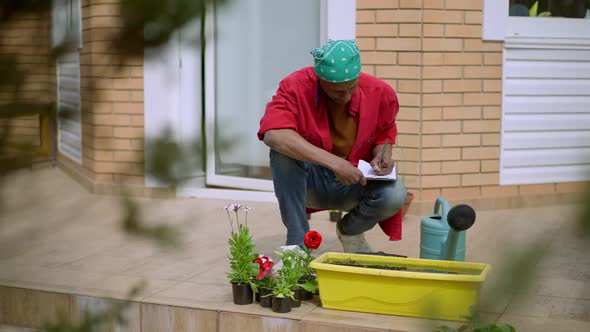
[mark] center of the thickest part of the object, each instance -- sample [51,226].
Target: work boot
[353,243]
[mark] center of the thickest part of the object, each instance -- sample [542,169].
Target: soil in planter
[353,263]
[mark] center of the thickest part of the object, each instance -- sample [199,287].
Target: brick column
[388,34]
[112,102]
[461,101]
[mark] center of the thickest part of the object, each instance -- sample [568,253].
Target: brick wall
[112,101]
[27,38]
[449,85]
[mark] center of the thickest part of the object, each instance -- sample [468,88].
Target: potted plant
[241,258]
[308,282]
[291,271]
[282,293]
[264,280]
[370,283]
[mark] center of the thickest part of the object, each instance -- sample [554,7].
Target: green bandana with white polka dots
[337,61]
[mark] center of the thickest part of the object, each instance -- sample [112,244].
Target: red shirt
[299,105]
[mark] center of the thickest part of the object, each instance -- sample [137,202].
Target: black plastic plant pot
[281,304]
[257,296]
[305,295]
[242,293]
[265,297]
[296,301]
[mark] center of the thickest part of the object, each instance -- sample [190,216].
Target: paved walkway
[55,236]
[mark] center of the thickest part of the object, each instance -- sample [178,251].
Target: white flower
[233,207]
[247,209]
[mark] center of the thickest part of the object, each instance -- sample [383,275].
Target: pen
[382,153]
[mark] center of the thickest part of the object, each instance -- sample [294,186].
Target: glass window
[257,44]
[550,8]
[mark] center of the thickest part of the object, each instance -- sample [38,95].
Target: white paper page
[368,172]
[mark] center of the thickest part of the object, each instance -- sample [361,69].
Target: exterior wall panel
[546,112]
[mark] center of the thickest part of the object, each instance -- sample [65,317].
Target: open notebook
[368,172]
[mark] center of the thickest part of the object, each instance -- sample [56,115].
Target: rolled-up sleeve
[281,111]
[386,126]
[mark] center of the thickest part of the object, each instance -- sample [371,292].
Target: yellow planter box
[420,288]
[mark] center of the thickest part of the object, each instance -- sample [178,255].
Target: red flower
[312,240]
[265,267]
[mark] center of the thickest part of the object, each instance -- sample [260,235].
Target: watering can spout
[460,218]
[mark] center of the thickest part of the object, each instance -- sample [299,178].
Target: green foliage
[15,7]
[266,282]
[170,162]
[164,235]
[476,325]
[289,275]
[92,322]
[297,270]
[241,248]
[293,266]
[283,287]
[151,23]
[310,283]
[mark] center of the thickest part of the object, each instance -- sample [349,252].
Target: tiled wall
[449,85]
[32,309]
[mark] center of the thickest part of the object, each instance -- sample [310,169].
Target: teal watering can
[442,234]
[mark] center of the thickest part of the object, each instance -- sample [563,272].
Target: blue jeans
[300,184]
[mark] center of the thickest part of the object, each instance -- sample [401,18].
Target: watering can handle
[440,201]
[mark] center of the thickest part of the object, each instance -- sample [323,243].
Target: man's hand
[290,143]
[348,174]
[385,166]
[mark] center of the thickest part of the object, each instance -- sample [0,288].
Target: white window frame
[338,21]
[58,37]
[497,25]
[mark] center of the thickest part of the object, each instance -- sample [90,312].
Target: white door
[256,44]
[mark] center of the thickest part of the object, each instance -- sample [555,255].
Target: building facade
[491,104]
